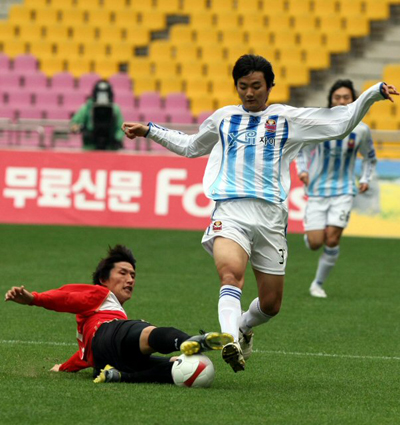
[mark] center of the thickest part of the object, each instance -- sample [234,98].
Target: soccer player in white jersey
[247,174]
[328,173]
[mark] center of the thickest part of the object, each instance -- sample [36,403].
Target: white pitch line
[283,353]
[340,356]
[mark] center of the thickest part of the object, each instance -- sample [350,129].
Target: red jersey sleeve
[73,298]
[74,364]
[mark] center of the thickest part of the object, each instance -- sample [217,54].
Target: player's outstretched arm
[388,90]
[133,129]
[19,295]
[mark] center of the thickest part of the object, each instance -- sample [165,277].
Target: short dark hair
[339,84]
[248,64]
[115,255]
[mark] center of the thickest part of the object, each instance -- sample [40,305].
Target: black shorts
[117,343]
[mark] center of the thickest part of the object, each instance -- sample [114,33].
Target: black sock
[159,374]
[166,340]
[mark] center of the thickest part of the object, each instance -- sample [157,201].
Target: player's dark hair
[338,85]
[115,255]
[247,64]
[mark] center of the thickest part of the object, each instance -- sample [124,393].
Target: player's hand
[19,295]
[75,128]
[363,187]
[55,368]
[304,178]
[389,90]
[133,129]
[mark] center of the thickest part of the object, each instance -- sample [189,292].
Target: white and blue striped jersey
[331,164]
[250,152]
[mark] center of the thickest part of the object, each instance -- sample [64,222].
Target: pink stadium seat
[130,114]
[58,114]
[159,116]
[10,81]
[203,116]
[19,99]
[25,64]
[87,82]
[7,112]
[124,99]
[177,101]
[4,62]
[63,81]
[31,113]
[35,82]
[120,82]
[180,117]
[73,100]
[150,100]
[47,99]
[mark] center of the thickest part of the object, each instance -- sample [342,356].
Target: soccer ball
[195,371]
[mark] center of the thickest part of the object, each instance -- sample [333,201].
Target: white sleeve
[367,150]
[191,146]
[313,125]
[303,159]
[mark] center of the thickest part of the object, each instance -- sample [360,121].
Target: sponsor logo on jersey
[270,126]
[217,226]
[246,136]
[267,140]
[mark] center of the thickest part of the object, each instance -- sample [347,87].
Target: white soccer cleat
[246,343]
[317,291]
[232,354]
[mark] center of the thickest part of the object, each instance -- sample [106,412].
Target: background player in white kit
[328,173]
[251,147]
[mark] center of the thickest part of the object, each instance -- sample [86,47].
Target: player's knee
[271,307]
[332,241]
[231,278]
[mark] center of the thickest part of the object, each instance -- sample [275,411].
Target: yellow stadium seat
[351,7]
[227,20]
[168,84]
[116,4]
[41,48]
[99,17]
[217,68]
[295,75]
[278,22]
[55,33]
[194,6]
[192,70]
[391,74]
[253,5]
[169,6]
[8,31]
[87,4]
[52,65]
[202,19]
[298,7]
[383,109]
[277,5]
[279,93]
[73,17]
[79,66]
[336,42]
[136,36]
[181,33]
[233,53]
[139,67]
[250,19]
[376,10]
[283,38]
[222,5]
[68,49]
[19,14]
[105,67]
[312,38]
[111,34]
[225,100]
[201,104]
[46,16]
[185,52]
[288,54]
[232,37]
[83,33]
[329,23]
[95,49]
[14,48]
[317,58]
[143,84]
[257,37]
[29,32]
[153,20]
[369,83]
[63,4]
[196,86]
[126,18]
[164,67]
[223,86]
[305,22]
[212,52]
[356,26]
[160,50]
[120,51]
[35,4]
[324,7]
[385,123]
[206,35]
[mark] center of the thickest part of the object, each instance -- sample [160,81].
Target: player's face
[253,91]
[121,281]
[342,96]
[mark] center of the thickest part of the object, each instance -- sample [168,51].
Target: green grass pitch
[333,361]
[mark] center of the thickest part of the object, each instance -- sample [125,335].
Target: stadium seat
[73,17]
[288,54]
[169,85]
[154,20]
[232,37]
[143,84]
[222,86]
[324,7]
[201,19]
[19,14]
[317,58]
[225,100]
[47,99]
[356,26]
[185,52]
[177,102]
[251,5]
[51,65]
[312,38]
[32,112]
[110,34]
[192,70]
[298,7]
[67,4]
[136,36]
[227,20]
[126,18]
[25,63]
[124,99]
[304,23]
[149,100]
[251,19]
[70,49]
[159,117]
[203,116]
[220,68]
[336,42]
[194,6]
[105,67]
[201,103]
[351,7]
[385,123]
[14,48]
[120,82]
[83,33]
[115,4]
[10,80]
[73,100]
[391,73]
[180,116]
[30,32]
[63,81]
[376,11]
[205,35]
[56,33]
[94,50]
[139,66]
[295,75]
[160,49]
[278,22]
[87,81]
[78,66]
[181,33]
[4,62]
[172,7]
[41,48]
[57,114]
[18,98]
[35,81]
[99,17]
[221,5]
[46,16]
[279,94]
[196,87]
[212,53]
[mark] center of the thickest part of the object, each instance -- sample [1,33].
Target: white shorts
[259,227]
[322,212]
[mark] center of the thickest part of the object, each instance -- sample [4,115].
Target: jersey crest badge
[270,126]
[217,226]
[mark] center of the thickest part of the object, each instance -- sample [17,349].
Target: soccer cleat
[232,354]
[205,342]
[108,374]
[246,343]
[317,291]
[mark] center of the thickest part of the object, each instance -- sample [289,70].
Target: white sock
[326,262]
[230,310]
[254,316]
